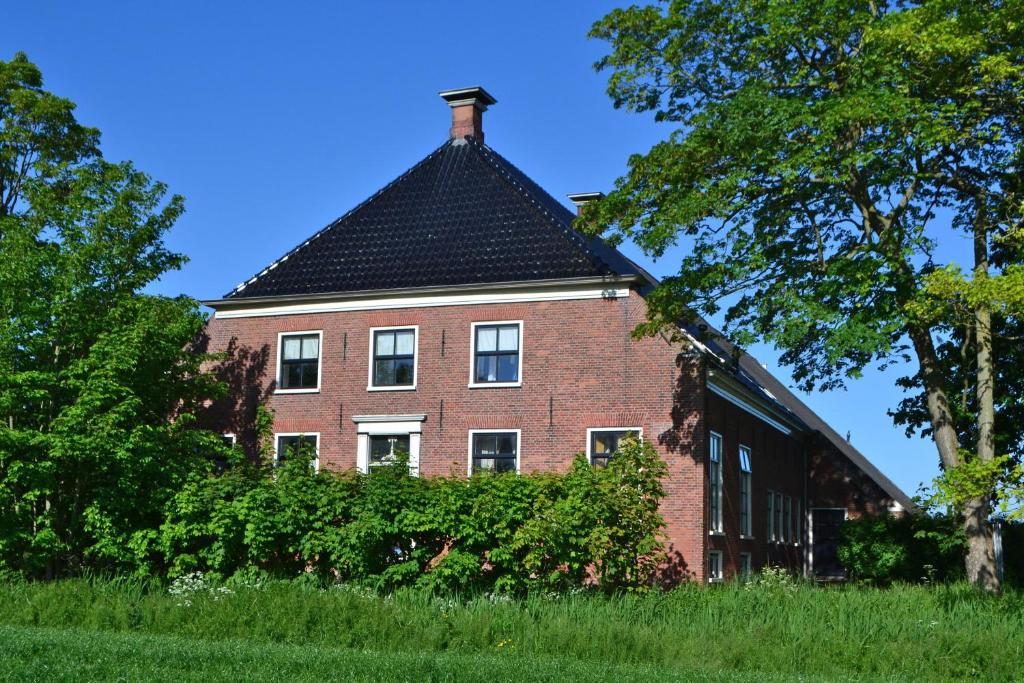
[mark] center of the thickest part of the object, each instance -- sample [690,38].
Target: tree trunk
[943,428]
[981,558]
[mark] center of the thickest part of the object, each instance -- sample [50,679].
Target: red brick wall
[777,464]
[581,368]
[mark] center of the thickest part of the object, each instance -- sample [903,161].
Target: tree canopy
[97,386]
[822,152]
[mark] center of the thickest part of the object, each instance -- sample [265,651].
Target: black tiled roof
[463,215]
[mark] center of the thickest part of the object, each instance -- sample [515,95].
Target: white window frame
[747,498]
[787,522]
[519,447]
[771,517]
[233,437]
[797,521]
[280,365]
[721,569]
[473,384]
[316,460]
[716,526]
[388,425]
[415,358]
[590,437]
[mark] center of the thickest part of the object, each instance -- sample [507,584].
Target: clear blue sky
[272,119]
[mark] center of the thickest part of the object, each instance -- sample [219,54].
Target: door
[825,526]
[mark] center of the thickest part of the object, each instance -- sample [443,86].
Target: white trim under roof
[720,390]
[555,291]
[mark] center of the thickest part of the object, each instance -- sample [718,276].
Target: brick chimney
[581,199]
[468,107]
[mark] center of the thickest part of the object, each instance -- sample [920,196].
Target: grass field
[103,630]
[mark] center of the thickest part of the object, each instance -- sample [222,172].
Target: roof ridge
[339,219]
[492,157]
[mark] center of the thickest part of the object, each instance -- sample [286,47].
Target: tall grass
[902,633]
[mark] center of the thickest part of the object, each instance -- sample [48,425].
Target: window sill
[746,537]
[297,391]
[494,385]
[401,388]
[716,533]
[716,580]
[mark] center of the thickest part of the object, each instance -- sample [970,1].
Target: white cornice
[503,293]
[719,386]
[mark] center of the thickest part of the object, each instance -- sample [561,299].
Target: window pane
[508,338]
[292,348]
[405,343]
[604,442]
[403,371]
[291,376]
[508,368]
[384,373]
[507,444]
[487,369]
[310,347]
[385,343]
[484,444]
[486,339]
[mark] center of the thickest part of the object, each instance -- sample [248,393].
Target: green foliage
[823,156]
[98,391]
[505,533]
[775,631]
[881,550]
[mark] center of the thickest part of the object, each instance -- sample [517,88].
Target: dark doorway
[825,526]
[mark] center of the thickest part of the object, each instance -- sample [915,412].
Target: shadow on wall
[684,439]
[242,369]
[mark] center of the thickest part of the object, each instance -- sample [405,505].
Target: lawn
[104,630]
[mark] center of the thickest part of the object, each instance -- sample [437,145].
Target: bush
[503,533]
[913,548]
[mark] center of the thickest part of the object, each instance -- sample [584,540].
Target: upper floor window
[494,451]
[604,442]
[497,354]
[746,524]
[394,358]
[715,476]
[291,445]
[298,368]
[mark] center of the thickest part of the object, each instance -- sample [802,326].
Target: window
[797,519]
[715,565]
[788,528]
[779,529]
[746,566]
[289,445]
[603,442]
[394,358]
[715,494]
[497,354]
[771,515]
[381,438]
[746,523]
[229,439]
[385,448]
[494,451]
[298,368]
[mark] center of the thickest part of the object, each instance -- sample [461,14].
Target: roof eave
[232,302]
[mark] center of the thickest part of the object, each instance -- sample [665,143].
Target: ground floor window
[604,441]
[290,445]
[381,439]
[715,565]
[385,449]
[494,451]
[746,566]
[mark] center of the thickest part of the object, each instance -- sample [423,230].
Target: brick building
[457,315]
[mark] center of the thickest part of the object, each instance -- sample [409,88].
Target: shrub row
[506,533]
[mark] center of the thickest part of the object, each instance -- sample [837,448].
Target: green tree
[97,387]
[821,151]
